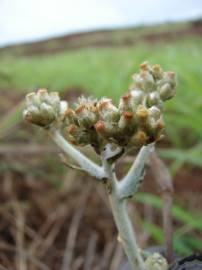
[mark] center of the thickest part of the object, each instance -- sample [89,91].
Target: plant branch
[129,184]
[85,163]
[123,223]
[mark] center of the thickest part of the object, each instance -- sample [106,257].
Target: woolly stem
[85,163]
[129,184]
[126,233]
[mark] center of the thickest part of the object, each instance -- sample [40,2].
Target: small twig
[90,252]
[40,265]
[70,243]
[35,261]
[41,242]
[165,186]
[73,230]
[107,254]
[117,258]
[78,262]
[20,219]
[49,240]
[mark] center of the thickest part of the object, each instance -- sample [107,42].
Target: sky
[32,20]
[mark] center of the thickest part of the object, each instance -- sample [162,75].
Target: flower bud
[166,86]
[171,77]
[106,129]
[137,95]
[166,91]
[54,99]
[78,136]
[157,72]
[107,110]
[47,110]
[159,125]
[43,109]
[138,139]
[154,112]
[144,81]
[32,99]
[100,127]
[145,66]
[125,103]
[43,95]
[153,98]
[70,116]
[154,129]
[32,115]
[142,114]
[128,116]
[86,118]
[127,123]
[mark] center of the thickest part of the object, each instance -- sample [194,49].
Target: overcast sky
[30,20]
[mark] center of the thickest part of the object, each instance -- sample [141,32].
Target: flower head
[43,108]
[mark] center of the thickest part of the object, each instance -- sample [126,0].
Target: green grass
[188,225]
[107,71]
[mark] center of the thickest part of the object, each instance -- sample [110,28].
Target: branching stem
[118,191]
[129,184]
[123,223]
[85,163]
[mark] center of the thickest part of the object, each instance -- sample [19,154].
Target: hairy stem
[85,163]
[129,184]
[123,223]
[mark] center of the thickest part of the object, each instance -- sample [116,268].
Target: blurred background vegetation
[101,64]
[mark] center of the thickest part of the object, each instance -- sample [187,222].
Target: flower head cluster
[136,121]
[43,108]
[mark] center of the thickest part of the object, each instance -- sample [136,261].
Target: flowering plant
[137,122]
